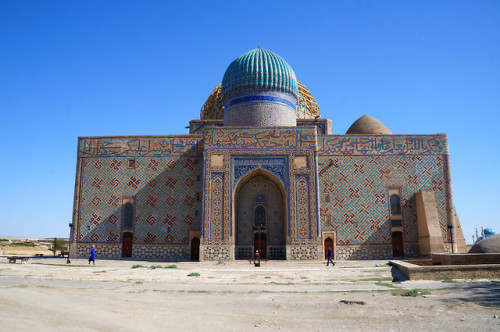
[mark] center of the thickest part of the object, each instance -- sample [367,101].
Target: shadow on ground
[397,275]
[487,294]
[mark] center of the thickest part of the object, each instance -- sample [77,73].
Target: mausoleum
[261,170]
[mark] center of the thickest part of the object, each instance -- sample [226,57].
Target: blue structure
[260,89]
[488,232]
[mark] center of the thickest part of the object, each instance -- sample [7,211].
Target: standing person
[92,254]
[330,255]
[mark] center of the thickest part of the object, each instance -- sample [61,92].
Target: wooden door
[328,244]
[195,249]
[397,244]
[263,244]
[127,244]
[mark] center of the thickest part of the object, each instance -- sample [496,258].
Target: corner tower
[259,89]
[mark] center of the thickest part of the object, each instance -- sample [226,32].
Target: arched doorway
[195,249]
[397,244]
[328,244]
[127,241]
[260,208]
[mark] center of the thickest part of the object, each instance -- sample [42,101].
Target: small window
[395,204]
[327,198]
[197,196]
[128,216]
[131,163]
[260,217]
[396,223]
[198,178]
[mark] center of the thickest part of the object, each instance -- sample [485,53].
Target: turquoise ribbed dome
[261,69]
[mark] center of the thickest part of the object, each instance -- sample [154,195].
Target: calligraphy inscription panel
[261,138]
[139,146]
[383,145]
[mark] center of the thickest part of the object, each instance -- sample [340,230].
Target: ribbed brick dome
[261,69]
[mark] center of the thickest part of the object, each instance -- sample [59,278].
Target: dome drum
[260,108]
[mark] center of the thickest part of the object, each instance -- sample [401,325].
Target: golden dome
[307,108]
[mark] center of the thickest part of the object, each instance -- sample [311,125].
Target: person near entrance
[92,254]
[330,255]
[256,262]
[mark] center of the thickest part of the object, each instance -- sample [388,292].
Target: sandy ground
[24,251]
[47,294]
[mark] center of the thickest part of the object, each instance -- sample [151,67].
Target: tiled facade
[104,250]
[162,252]
[216,253]
[176,187]
[304,253]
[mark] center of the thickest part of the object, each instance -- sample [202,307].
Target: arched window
[395,204]
[128,216]
[260,216]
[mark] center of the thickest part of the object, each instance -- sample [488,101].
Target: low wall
[465,259]
[441,272]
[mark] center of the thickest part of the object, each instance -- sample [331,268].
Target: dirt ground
[10,249]
[48,294]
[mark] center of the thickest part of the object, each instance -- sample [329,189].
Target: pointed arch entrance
[259,216]
[327,244]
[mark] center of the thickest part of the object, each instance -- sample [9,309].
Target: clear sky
[96,68]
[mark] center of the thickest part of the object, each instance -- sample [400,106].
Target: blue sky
[95,68]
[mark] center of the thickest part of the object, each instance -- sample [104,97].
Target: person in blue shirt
[92,254]
[330,255]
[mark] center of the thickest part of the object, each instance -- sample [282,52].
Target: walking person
[330,255]
[92,254]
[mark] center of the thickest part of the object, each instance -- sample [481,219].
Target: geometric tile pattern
[164,252]
[354,174]
[304,252]
[160,252]
[164,189]
[214,253]
[363,252]
[303,213]
[102,250]
[217,206]
[358,195]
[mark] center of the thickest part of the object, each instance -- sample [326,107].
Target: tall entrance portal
[260,218]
